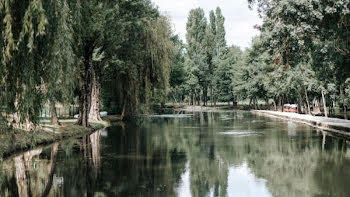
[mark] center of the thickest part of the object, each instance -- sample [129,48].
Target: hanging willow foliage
[160,49]
[35,9]
[139,67]
[23,27]
[8,35]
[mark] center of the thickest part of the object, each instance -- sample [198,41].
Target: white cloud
[239,23]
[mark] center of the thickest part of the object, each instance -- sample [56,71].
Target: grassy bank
[19,140]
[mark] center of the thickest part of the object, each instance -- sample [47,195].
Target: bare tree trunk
[205,96]
[214,97]
[198,97]
[84,106]
[192,99]
[211,96]
[324,104]
[254,102]
[267,102]
[85,94]
[19,120]
[342,95]
[299,103]
[53,112]
[123,112]
[307,102]
[94,114]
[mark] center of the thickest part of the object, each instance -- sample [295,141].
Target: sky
[239,23]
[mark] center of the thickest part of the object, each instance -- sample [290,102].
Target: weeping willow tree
[137,71]
[89,26]
[21,70]
[50,48]
[149,78]
[60,59]
[37,62]
[160,50]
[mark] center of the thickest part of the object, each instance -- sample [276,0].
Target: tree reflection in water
[35,173]
[186,157]
[22,169]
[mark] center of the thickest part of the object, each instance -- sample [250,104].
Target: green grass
[19,140]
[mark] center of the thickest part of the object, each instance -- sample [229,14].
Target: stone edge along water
[338,127]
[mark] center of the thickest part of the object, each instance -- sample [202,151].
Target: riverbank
[191,108]
[339,127]
[19,140]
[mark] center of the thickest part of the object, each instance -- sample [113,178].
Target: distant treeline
[302,56]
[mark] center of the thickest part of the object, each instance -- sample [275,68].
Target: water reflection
[205,154]
[42,172]
[22,168]
[242,182]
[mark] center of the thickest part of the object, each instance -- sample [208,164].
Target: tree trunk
[85,94]
[205,96]
[192,99]
[211,96]
[21,120]
[342,95]
[53,112]
[94,114]
[267,102]
[123,112]
[254,102]
[307,102]
[324,104]
[274,104]
[198,97]
[214,97]
[299,103]
[282,103]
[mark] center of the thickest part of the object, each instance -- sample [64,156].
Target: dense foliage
[121,56]
[52,52]
[209,62]
[300,57]
[307,44]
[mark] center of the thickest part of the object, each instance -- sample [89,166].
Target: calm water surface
[194,154]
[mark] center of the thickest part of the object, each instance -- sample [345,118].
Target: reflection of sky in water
[241,183]
[184,188]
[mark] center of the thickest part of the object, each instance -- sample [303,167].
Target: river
[186,154]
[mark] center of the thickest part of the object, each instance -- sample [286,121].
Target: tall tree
[220,49]
[177,76]
[211,43]
[89,30]
[197,54]
[138,62]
